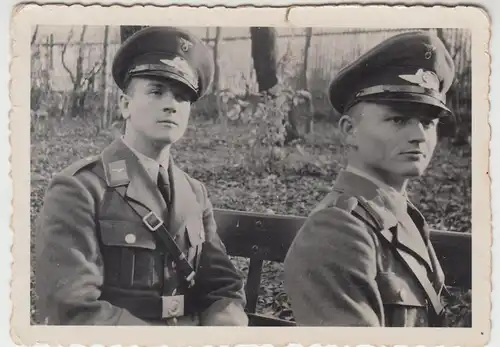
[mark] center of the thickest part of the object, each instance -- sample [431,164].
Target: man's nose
[416,131]
[169,101]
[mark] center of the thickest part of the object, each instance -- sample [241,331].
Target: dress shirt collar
[151,166]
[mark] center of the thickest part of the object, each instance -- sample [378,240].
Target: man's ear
[124,105]
[348,130]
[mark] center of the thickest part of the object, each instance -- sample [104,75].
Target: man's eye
[181,96]
[427,123]
[155,92]
[398,120]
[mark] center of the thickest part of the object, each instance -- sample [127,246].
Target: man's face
[394,140]
[156,109]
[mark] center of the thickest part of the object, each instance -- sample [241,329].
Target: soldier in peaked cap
[363,257]
[127,237]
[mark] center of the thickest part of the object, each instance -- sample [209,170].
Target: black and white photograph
[257,176]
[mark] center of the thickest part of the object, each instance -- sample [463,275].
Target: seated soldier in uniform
[126,237]
[363,257]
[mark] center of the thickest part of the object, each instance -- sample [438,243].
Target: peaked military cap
[165,52]
[409,67]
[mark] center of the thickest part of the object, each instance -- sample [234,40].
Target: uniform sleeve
[330,272]
[219,286]
[69,270]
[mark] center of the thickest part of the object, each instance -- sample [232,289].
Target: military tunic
[344,267]
[98,264]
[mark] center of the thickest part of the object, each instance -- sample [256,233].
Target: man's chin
[412,171]
[167,139]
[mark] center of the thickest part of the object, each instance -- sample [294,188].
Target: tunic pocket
[131,257]
[126,234]
[404,301]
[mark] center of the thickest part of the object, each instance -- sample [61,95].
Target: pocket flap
[394,290]
[195,231]
[126,234]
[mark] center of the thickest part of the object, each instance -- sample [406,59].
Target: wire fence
[60,53]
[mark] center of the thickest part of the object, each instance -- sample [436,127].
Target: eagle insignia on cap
[182,66]
[425,79]
[430,49]
[179,64]
[185,44]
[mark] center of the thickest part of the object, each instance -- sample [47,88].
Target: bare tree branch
[63,55]
[79,60]
[82,34]
[93,71]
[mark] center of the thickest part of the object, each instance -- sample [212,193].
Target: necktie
[164,184]
[171,280]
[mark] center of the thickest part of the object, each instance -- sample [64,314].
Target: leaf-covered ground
[220,156]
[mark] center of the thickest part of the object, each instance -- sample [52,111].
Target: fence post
[104,85]
[216,85]
[51,51]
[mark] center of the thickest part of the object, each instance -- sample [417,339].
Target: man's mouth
[167,122]
[414,152]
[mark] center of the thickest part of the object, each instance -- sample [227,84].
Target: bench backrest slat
[254,235]
[262,237]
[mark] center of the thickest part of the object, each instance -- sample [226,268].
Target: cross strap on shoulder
[157,226]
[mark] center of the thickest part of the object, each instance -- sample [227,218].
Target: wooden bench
[262,237]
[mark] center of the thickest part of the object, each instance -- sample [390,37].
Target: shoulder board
[74,168]
[366,212]
[339,200]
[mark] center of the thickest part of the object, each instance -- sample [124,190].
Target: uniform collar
[392,209]
[151,166]
[122,168]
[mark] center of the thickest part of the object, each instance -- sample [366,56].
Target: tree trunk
[450,126]
[264,55]
[310,116]
[77,95]
[304,84]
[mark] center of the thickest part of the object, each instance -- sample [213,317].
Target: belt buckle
[172,306]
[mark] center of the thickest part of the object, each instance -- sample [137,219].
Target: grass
[220,156]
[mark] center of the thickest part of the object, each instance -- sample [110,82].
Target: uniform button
[130,238]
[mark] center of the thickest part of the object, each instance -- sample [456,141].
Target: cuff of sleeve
[224,312]
[126,318]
